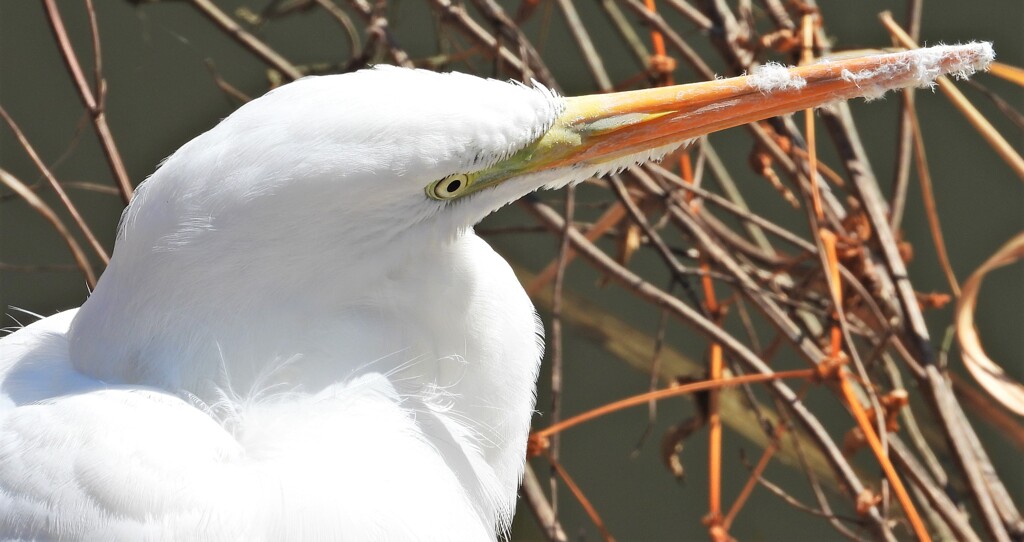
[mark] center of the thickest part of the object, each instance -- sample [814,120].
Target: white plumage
[299,336]
[291,340]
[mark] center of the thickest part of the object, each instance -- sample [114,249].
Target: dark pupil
[453,186]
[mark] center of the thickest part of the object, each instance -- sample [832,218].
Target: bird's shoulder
[79,457]
[76,452]
[34,362]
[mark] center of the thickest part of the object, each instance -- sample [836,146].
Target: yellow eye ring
[449,187]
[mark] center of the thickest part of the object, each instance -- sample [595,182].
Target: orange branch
[608,220]
[578,493]
[828,240]
[714,417]
[643,398]
[686,172]
[660,58]
[806,57]
[657,40]
[715,441]
[762,463]
[876,446]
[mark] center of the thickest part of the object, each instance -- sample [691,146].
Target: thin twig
[612,217]
[557,338]
[625,29]
[235,31]
[79,221]
[901,176]
[954,518]
[674,39]
[682,389]
[37,268]
[792,501]
[345,21]
[92,103]
[227,88]
[46,212]
[533,494]
[586,45]
[928,198]
[581,497]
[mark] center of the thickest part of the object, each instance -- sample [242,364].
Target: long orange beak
[611,128]
[623,123]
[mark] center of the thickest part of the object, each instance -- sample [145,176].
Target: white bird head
[348,155]
[360,159]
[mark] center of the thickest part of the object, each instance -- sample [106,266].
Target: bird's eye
[449,187]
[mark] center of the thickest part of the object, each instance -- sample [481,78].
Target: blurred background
[162,61]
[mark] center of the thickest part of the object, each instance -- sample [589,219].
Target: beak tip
[916,68]
[960,61]
[976,56]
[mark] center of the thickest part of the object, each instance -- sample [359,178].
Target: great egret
[299,335]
